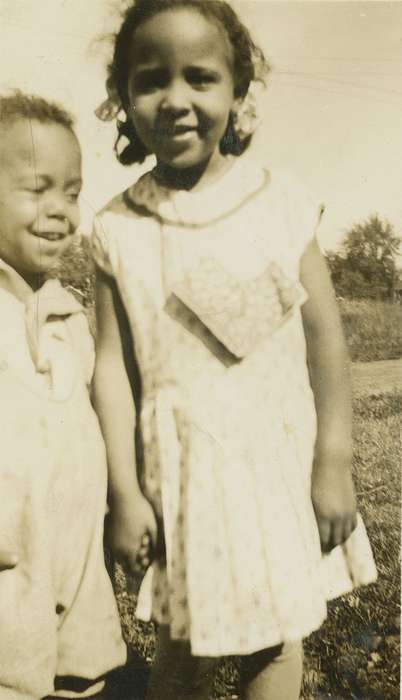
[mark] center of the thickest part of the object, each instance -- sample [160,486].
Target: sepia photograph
[200,349]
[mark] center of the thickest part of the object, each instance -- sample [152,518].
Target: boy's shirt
[44,335]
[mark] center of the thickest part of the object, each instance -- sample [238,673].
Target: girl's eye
[148,81]
[201,79]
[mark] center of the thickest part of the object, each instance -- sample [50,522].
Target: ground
[381,377]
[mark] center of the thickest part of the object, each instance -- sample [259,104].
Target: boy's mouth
[49,235]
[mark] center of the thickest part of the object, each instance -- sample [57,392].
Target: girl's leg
[273,674]
[176,675]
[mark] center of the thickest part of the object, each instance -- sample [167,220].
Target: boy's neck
[194,178]
[34,280]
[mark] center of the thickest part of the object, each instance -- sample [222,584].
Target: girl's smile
[181,88]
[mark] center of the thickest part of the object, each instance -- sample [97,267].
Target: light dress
[210,283]
[58,616]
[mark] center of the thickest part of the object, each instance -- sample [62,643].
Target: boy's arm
[332,487]
[131,515]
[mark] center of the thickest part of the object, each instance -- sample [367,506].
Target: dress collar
[200,207]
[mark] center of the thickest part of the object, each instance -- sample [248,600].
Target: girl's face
[40,181]
[181,87]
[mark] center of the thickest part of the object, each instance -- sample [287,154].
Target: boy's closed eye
[73,196]
[33,186]
[72,193]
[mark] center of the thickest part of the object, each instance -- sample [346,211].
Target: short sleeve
[304,212]
[83,344]
[103,248]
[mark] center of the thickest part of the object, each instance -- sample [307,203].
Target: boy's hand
[334,502]
[132,534]
[8,560]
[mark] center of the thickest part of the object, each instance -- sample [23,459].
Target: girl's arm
[332,487]
[131,515]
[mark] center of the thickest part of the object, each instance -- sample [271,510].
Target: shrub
[76,270]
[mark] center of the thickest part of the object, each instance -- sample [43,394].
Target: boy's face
[40,181]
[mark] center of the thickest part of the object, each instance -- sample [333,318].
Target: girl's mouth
[181,132]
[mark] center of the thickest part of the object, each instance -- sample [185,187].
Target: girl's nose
[176,98]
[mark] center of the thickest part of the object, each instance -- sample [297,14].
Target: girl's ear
[110,107]
[237,103]
[245,114]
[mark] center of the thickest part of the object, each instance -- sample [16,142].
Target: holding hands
[132,534]
[334,502]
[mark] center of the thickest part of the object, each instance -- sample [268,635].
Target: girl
[212,265]
[59,627]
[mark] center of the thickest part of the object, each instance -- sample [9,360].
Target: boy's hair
[249,64]
[19,105]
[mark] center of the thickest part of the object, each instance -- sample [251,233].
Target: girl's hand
[8,560]
[334,502]
[132,534]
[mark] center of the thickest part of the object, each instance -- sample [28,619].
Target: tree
[366,263]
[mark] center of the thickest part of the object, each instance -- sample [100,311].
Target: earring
[132,150]
[230,141]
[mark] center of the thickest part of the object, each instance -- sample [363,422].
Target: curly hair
[19,105]
[249,64]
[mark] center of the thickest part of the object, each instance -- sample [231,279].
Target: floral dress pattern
[210,283]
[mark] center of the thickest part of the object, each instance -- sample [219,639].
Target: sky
[331,114]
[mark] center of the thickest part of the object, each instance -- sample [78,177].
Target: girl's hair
[249,64]
[19,105]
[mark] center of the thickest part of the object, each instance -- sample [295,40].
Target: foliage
[76,270]
[373,329]
[365,266]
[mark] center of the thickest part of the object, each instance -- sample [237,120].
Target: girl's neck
[195,178]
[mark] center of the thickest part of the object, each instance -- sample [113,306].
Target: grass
[373,329]
[355,655]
